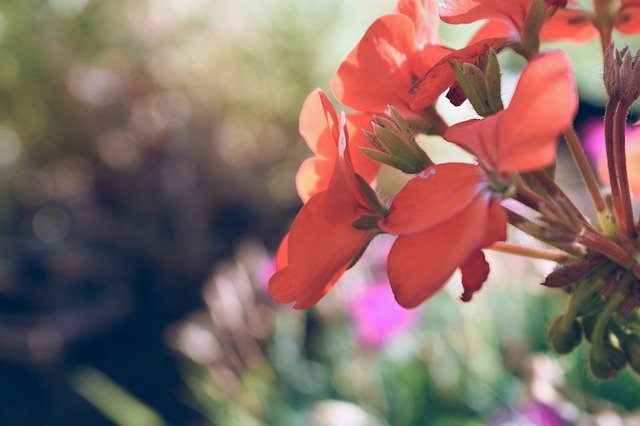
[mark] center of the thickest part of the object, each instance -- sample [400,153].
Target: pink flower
[377,317]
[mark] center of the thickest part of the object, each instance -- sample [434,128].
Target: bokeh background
[147,158]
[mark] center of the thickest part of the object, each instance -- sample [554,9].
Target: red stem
[620,164]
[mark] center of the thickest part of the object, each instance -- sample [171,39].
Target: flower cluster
[449,213]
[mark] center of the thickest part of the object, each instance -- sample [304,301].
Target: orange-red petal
[282,255]
[440,77]
[628,20]
[524,136]
[318,253]
[319,127]
[492,29]
[424,14]
[467,11]
[569,24]
[434,196]
[377,71]
[475,270]
[420,264]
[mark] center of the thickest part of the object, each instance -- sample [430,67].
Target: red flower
[318,126]
[322,242]
[569,19]
[628,17]
[446,215]
[395,50]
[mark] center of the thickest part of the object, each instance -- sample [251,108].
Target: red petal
[569,24]
[318,123]
[282,254]
[319,127]
[441,76]
[424,15]
[377,72]
[493,29]
[467,11]
[318,253]
[362,165]
[432,197]
[475,271]
[524,136]
[345,200]
[420,264]
[628,21]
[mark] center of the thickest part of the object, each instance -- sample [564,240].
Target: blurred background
[147,159]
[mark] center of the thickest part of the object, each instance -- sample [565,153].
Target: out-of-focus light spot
[72,176]
[280,183]
[272,143]
[46,343]
[154,115]
[51,224]
[178,177]
[236,143]
[10,146]
[118,149]
[33,187]
[67,7]
[94,86]
[196,341]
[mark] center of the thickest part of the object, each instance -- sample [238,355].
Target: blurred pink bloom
[593,137]
[377,316]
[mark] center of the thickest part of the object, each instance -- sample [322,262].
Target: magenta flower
[377,316]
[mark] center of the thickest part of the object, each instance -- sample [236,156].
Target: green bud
[395,144]
[564,336]
[533,23]
[617,357]
[600,366]
[473,85]
[493,82]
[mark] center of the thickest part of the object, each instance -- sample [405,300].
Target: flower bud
[600,366]
[472,81]
[622,74]
[395,144]
[533,22]
[617,357]
[564,337]
[571,272]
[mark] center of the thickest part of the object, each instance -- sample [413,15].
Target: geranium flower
[447,214]
[396,50]
[569,20]
[323,240]
[317,125]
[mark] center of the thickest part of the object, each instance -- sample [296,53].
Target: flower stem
[553,255]
[573,141]
[554,190]
[620,166]
[597,242]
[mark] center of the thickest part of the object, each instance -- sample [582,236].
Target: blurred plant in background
[140,141]
[250,362]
